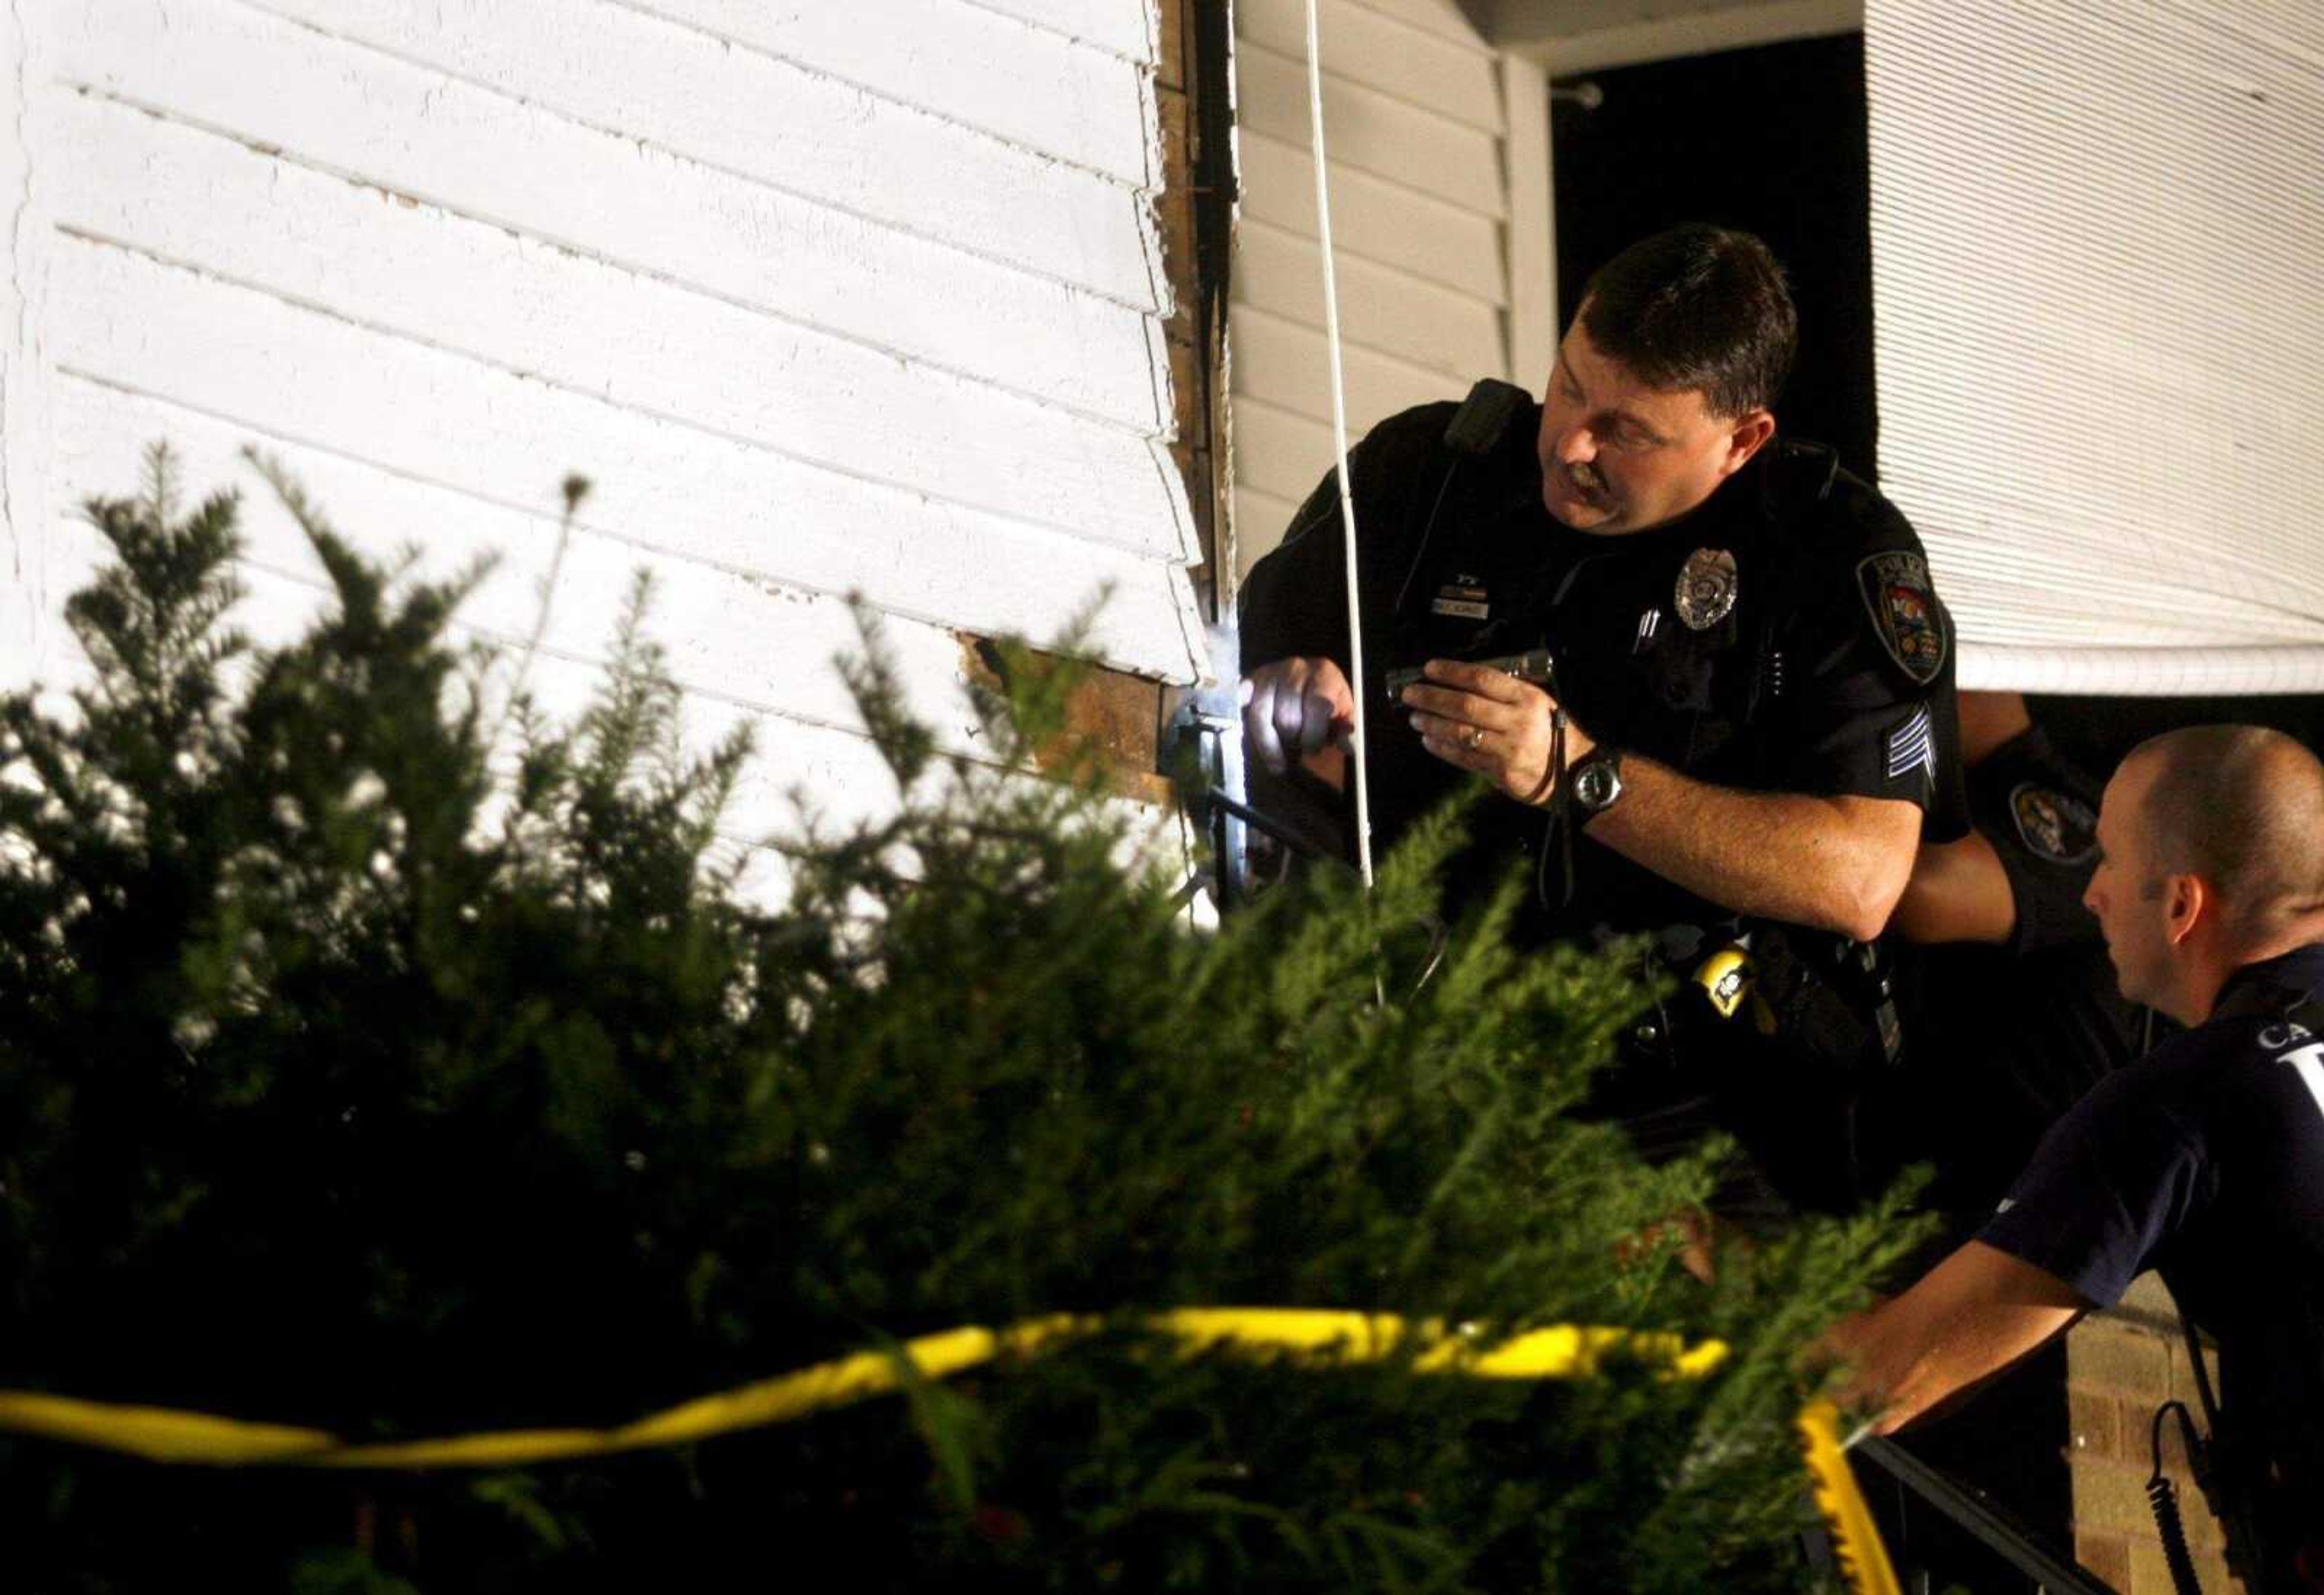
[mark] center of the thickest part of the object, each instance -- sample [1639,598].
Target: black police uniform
[2206,1161]
[1824,669]
[2006,1039]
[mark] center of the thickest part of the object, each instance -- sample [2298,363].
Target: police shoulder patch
[2053,825]
[1902,604]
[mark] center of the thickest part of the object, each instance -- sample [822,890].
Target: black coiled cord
[2163,1499]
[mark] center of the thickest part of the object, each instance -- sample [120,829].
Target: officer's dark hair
[1699,308]
[2242,806]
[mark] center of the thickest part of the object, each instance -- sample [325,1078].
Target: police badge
[2053,825]
[1706,588]
[1897,590]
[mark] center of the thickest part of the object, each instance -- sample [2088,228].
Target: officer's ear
[1748,434]
[2186,900]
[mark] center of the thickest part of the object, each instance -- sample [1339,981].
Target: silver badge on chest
[1706,588]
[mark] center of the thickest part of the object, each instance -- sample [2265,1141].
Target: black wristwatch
[1595,779]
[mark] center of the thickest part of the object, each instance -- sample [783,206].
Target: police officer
[2004,983]
[1751,712]
[2204,1160]
[2011,1006]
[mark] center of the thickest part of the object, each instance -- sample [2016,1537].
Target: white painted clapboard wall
[1415,131]
[848,295]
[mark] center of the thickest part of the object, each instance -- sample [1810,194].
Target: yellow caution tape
[166,1436]
[1564,1351]
[1863,1558]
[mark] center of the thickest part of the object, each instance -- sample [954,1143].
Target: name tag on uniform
[1463,597]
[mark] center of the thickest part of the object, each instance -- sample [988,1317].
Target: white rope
[1356,741]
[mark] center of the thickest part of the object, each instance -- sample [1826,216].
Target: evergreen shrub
[347,1082]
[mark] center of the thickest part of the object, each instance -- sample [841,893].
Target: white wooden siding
[1446,75]
[1390,135]
[829,298]
[980,69]
[1422,214]
[1409,229]
[1127,31]
[1437,17]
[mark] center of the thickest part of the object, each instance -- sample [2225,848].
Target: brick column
[2121,1366]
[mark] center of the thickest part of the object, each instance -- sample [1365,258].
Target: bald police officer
[2204,1160]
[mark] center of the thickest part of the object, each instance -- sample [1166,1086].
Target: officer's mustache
[1585,476]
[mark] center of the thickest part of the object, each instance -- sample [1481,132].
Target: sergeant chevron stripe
[1913,745]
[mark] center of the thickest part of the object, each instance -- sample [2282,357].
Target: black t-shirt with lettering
[2001,1040]
[2206,1162]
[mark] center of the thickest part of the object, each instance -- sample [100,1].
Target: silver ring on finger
[1476,736]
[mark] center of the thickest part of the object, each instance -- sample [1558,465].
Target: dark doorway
[1774,140]
[1771,140]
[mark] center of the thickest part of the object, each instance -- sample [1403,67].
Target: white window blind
[2098,262]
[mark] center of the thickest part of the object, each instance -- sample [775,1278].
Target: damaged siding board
[826,299]
[1415,130]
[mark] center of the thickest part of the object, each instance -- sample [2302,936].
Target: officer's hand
[1484,719]
[1294,708]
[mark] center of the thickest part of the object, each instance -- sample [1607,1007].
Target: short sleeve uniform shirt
[2206,1162]
[1781,637]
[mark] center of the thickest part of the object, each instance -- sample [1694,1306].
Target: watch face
[1596,786]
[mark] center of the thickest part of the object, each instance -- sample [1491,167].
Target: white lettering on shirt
[2307,1062]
